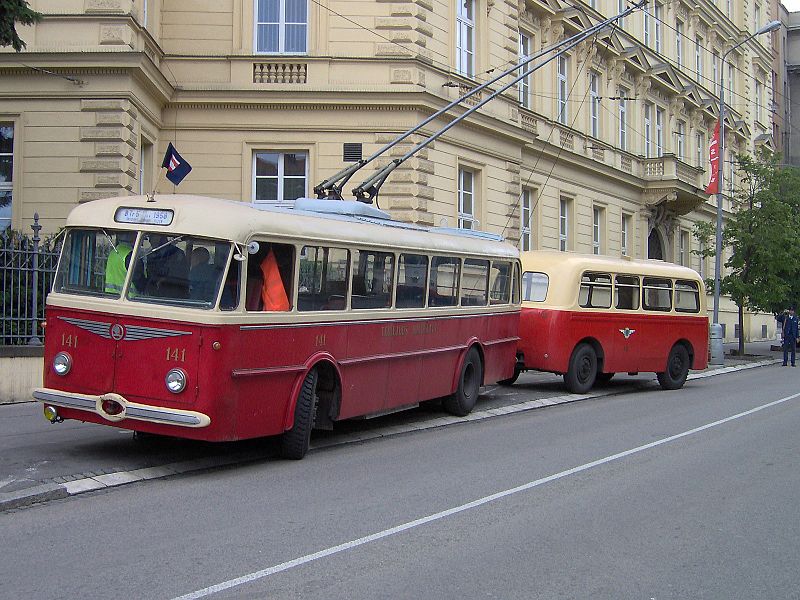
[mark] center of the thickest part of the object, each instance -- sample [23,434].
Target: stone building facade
[603,149]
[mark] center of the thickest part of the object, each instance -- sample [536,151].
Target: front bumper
[130,410]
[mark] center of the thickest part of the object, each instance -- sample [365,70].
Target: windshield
[166,269]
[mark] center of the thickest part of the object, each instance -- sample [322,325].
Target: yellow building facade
[602,149]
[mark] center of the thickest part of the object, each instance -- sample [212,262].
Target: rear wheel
[463,401]
[295,442]
[677,368]
[582,372]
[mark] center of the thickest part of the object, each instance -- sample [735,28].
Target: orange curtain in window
[273,293]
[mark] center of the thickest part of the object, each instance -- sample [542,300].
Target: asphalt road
[641,494]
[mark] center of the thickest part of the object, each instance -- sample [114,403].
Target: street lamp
[717,351]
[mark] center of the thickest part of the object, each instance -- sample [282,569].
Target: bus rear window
[95,262]
[687,296]
[534,286]
[657,294]
[595,290]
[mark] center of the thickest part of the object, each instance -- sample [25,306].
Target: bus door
[629,326]
[657,333]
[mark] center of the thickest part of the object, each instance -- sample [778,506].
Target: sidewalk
[41,462]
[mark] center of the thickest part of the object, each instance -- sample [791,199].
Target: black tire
[582,372]
[513,379]
[295,442]
[604,377]
[463,401]
[677,368]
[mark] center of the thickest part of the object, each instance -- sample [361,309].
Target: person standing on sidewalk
[790,332]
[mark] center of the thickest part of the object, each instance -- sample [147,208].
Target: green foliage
[11,13]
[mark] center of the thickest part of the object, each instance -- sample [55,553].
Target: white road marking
[285,566]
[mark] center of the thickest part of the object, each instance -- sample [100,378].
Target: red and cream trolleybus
[588,317]
[215,320]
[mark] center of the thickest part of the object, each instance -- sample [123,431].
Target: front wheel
[463,401]
[582,372]
[677,368]
[295,442]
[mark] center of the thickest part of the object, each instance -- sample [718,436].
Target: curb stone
[56,491]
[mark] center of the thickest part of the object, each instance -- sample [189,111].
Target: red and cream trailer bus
[215,320]
[588,317]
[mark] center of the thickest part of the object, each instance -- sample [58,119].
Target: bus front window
[95,262]
[179,270]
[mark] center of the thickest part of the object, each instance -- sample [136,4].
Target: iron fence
[27,266]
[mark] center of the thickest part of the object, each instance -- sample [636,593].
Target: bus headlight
[62,363]
[176,381]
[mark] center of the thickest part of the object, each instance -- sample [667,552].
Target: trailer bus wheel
[295,442]
[582,372]
[677,368]
[463,401]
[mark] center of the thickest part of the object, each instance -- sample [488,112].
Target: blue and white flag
[176,166]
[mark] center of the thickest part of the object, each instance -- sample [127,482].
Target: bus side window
[412,275]
[626,288]
[534,286]
[515,285]
[323,278]
[687,296]
[269,278]
[595,290]
[499,283]
[373,279]
[474,282]
[657,294]
[443,288]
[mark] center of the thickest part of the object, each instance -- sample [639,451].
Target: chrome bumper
[130,410]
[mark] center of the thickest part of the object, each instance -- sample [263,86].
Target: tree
[763,235]
[11,13]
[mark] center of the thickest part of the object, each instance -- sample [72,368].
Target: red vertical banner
[713,153]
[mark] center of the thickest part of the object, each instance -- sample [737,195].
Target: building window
[714,70]
[562,89]
[282,26]
[563,224]
[466,199]
[465,40]
[759,91]
[648,129]
[756,17]
[646,18]
[594,103]
[626,227]
[6,173]
[623,127]
[683,251]
[729,9]
[526,215]
[145,166]
[280,177]
[658,11]
[679,43]
[731,87]
[622,6]
[597,230]
[524,84]
[700,143]
[659,132]
[679,142]
[698,58]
